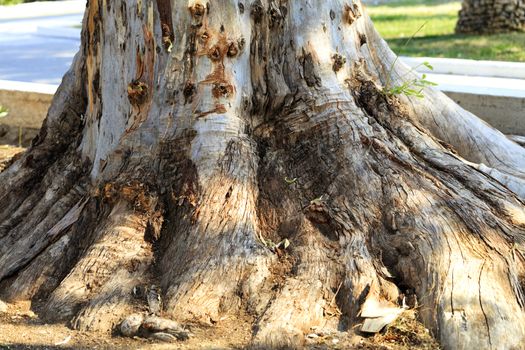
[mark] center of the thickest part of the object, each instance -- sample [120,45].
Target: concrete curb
[27,103]
[475,68]
[505,113]
[478,85]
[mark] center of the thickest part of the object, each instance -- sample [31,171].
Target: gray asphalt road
[38,50]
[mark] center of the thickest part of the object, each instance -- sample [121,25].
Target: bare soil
[22,329]
[7,153]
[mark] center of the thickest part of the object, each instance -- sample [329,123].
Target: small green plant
[3,112]
[412,87]
[319,201]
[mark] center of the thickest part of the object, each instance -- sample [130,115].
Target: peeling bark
[243,158]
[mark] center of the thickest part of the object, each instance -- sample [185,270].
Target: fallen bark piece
[131,325]
[64,341]
[375,325]
[378,314]
[155,324]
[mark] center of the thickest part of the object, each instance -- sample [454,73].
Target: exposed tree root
[102,281]
[281,184]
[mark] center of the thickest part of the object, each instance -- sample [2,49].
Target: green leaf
[3,112]
[318,201]
[290,181]
[284,244]
[428,65]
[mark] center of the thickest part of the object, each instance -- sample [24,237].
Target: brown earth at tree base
[22,329]
[7,153]
[17,136]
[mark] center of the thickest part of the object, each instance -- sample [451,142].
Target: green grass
[14,2]
[10,2]
[398,20]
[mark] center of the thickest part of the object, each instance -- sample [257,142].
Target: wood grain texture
[237,172]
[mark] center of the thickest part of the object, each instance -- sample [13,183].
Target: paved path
[39,40]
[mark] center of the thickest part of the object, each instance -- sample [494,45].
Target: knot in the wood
[257,11]
[234,48]
[222,89]
[197,11]
[204,37]
[215,54]
[362,39]
[351,13]
[317,212]
[339,62]
[241,43]
[189,91]
[137,92]
[166,36]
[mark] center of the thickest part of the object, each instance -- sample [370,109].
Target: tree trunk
[491,16]
[189,138]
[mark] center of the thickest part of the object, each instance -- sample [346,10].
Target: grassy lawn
[14,2]
[10,2]
[398,20]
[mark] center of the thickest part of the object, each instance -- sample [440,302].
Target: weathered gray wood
[190,138]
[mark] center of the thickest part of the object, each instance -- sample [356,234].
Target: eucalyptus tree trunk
[246,157]
[491,16]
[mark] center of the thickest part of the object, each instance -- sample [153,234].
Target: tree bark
[491,16]
[189,139]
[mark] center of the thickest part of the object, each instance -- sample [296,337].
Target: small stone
[312,336]
[3,307]
[130,326]
[27,314]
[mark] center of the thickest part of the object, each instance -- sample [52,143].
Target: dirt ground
[7,153]
[22,329]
